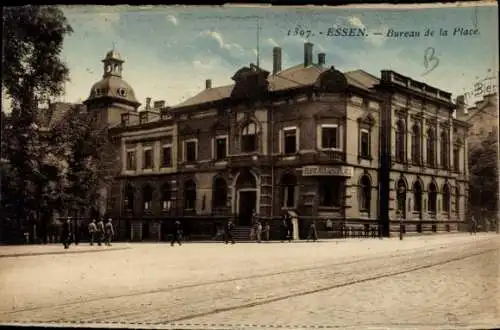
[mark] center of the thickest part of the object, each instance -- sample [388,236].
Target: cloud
[356,22]
[215,36]
[201,65]
[172,19]
[272,42]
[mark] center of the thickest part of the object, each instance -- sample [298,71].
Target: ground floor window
[331,191]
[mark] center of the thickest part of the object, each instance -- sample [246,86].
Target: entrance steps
[242,233]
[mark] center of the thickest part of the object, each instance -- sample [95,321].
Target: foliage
[483,179]
[31,72]
[84,145]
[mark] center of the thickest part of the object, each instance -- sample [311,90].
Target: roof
[113,86]
[49,117]
[294,77]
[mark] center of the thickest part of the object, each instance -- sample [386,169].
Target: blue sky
[170,51]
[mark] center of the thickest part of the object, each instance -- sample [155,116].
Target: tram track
[184,303]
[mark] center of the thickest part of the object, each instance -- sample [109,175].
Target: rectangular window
[364,141]
[131,160]
[220,148]
[456,159]
[190,150]
[331,191]
[143,117]
[148,159]
[166,160]
[290,140]
[330,138]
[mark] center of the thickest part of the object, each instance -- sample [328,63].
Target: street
[427,282]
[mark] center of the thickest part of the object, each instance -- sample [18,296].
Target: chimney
[308,53]
[208,83]
[276,60]
[321,59]
[148,103]
[158,104]
[460,106]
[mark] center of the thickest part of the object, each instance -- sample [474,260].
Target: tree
[85,146]
[483,179]
[32,72]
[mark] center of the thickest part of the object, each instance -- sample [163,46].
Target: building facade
[344,146]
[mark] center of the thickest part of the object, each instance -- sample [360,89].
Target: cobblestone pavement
[421,282]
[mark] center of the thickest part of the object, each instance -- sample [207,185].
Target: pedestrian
[228,235]
[177,234]
[267,230]
[109,232]
[258,231]
[313,233]
[100,232]
[289,226]
[92,231]
[284,227]
[66,233]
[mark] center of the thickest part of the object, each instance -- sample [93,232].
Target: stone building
[349,147]
[424,169]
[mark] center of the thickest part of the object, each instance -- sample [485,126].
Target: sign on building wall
[346,171]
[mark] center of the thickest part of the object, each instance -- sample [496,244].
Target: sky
[170,51]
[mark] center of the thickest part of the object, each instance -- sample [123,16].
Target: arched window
[416,144]
[220,193]
[432,198]
[189,195]
[365,192]
[401,196]
[400,141]
[445,152]
[147,197]
[417,196]
[129,198]
[457,201]
[431,147]
[166,196]
[288,190]
[446,198]
[249,138]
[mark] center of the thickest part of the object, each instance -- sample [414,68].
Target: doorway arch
[246,195]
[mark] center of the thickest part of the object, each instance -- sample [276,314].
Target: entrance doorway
[145,230]
[247,204]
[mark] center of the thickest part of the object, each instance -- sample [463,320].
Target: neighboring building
[484,119]
[325,144]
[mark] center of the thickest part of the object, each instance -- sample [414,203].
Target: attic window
[122,92]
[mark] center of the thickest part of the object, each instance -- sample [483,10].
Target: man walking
[229,232]
[258,231]
[110,232]
[100,232]
[66,233]
[313,233]
[284,227]
[177,234]
[92,231]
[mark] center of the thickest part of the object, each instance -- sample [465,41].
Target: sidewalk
[11,251]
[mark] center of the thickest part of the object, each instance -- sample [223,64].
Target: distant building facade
[349,147]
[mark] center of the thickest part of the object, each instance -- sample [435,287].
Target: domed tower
[111,96]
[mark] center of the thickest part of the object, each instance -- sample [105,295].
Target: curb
[14,255]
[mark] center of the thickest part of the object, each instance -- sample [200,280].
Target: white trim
[282,138]
[144,149]
[235,194]
[167,145]
[285,195]
[184,149]
[367,131]
[319,134]
[214,149]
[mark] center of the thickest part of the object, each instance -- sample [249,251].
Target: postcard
[250,167]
